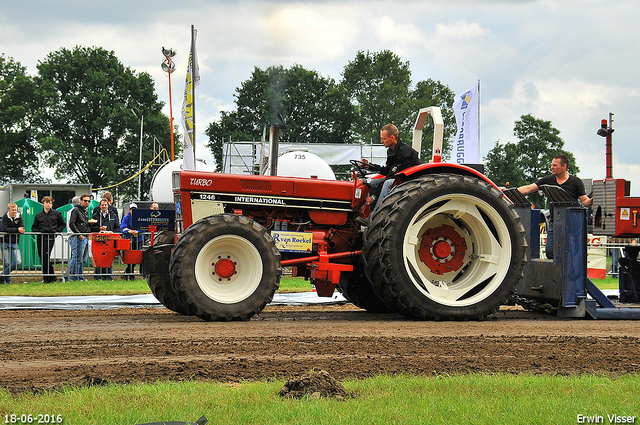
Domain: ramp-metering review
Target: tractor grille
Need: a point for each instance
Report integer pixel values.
(255, 185)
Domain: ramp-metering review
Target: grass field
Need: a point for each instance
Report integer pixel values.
(445, 399)
(288, 284)
(449, 399)
(116, 287)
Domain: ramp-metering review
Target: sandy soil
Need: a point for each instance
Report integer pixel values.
(45, 349)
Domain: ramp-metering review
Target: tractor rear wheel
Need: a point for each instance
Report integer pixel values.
(450, 248)
(372, 251)
(160, 285)
(225, 267)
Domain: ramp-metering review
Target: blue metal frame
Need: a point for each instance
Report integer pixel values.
(563, 281)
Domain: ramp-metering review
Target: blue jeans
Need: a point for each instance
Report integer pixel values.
(380, 188)
(79, 256)
(9, 259)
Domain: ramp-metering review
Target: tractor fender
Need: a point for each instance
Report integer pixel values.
(442, 168)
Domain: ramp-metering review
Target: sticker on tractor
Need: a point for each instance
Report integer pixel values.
(625, 214)
(293, 241)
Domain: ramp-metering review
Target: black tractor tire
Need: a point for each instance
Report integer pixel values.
(160, 285)
(445, 247)
(225, 267)
(372, 250)
(356, 289)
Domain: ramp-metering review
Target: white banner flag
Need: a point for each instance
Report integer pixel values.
(466, 148)
(188, 107)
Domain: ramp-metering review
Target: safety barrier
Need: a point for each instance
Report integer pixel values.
(27, 258)
(603, 254)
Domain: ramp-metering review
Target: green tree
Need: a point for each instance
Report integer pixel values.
(315, 109)
(502, 166)
(226, 129)
(432, 93)
(376, 89)
(529, 159)
(18, 101)
(86, 127)
(379, 86)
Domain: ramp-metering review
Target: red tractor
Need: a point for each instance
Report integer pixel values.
(445, 244)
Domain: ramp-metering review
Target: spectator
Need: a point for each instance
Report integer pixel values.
(109, 198)
(13, 224)
(79, 225)
(135, 237)
(147, 238)
(48, 222)
(104, 220)
(74, 201)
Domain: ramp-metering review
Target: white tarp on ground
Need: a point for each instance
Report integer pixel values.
(147, 300)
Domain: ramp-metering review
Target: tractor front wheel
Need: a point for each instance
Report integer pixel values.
(160, 285)
(225, 267)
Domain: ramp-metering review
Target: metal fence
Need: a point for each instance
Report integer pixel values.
(28, 259)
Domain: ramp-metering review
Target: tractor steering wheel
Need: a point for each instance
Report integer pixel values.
(361, 166)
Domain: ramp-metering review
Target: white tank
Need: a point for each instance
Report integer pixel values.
(161, 183)
(304, 164)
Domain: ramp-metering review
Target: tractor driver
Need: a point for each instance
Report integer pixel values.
(559, 177)
(400, 156)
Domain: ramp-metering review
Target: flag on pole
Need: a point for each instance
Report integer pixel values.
(466, 148)
(188, 106)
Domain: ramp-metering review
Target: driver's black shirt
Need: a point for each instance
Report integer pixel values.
(399, 159)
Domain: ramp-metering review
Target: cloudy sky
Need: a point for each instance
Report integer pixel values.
(568, 62)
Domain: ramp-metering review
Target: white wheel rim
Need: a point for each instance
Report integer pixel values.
(245, 278)
(487, 256)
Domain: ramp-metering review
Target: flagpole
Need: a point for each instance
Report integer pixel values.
(193, 93)
(479, 118)
(188, 106)
(170, 113)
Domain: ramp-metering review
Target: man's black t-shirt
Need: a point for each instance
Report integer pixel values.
(573, 186)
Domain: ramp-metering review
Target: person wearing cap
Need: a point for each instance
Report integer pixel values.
(135, 237)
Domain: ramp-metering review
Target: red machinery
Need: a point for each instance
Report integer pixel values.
(615, 214)
(444, 244)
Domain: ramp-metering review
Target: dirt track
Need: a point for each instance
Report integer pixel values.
(44, 349)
